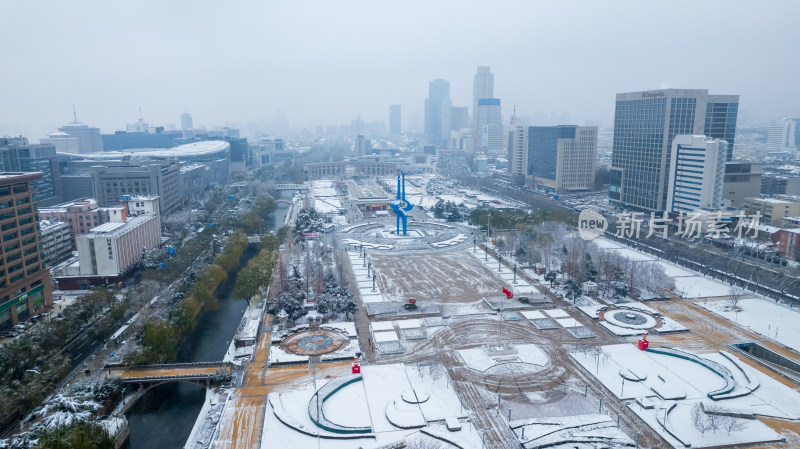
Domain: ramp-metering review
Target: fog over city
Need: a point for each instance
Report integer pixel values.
(321, 62)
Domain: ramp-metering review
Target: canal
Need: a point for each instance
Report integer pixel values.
(165, 415)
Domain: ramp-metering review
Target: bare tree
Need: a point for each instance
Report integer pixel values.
(735, 295)
(732, 423)
(426, 443)
(700, 419)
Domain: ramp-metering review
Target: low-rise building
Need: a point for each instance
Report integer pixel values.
(81, 216)
(773, 210)
(108, 252)
(56, 241)
(788, 241)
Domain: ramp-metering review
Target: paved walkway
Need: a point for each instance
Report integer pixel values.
(243, 423)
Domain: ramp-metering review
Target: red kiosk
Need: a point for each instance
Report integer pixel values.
(643, 343)
(356, 366)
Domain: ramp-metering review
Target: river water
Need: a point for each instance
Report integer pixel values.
(164, 417)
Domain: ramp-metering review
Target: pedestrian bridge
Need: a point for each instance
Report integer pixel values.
(202, 373)
(287, 186)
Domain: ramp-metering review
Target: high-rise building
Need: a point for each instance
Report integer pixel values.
(362, 146)
(482, 87)
(129, 177)
(645, 124)
(562, 158)
(394, 120)
(490, 126)
(25, 287)
(459, 118)
(186, 121)
(437, 112)
(781, 136)
(16, 155)
(721, 115)
(89, 140)
(697, 173)
(517, 148)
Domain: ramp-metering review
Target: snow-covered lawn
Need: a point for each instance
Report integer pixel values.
(700, 287)
(478, 359)
(556, 313)
(384, 336)
(663, 377)
(764, 317)
(532, 314)
(376, 401)
(568, 322)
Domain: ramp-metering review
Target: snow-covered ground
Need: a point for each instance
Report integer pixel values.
(379, 401)
(764, 317)
(480, 360)
(666, 381)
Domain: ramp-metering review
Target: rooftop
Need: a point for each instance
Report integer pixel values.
(20, 176)
(115, 229)
(195, 149)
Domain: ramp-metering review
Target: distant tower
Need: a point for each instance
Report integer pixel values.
(437, 112)
(781, 135)
(186, 121)
(394, 120)
(482, 87)
(88, 138)
(489, 126)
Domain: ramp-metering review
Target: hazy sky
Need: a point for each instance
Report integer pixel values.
(324, 62)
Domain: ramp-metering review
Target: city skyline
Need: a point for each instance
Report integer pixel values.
(306, 75)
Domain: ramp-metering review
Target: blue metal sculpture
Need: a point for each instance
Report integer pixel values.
(400, 206)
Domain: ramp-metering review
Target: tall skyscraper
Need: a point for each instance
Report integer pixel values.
(89, 140)
(697, 173)
(517, 147)
(186, 121)
(394, 120)
(482, 87)
(721, 115)
(645, 124)
(437, 112)
(562, 158)
(781, 136)
(490, 126)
